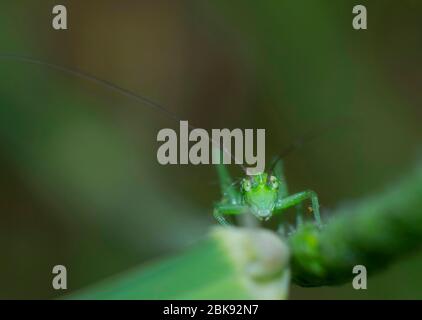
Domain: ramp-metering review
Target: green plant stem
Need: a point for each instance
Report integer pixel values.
(373, 232)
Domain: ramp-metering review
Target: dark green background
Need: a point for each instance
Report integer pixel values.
(79, 180)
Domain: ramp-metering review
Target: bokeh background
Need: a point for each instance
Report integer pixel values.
(79, 180)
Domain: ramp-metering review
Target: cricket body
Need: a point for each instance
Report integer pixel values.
(263, 195)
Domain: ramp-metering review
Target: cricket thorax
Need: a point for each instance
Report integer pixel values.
(260, 194)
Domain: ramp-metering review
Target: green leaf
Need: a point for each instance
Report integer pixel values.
(232, 263)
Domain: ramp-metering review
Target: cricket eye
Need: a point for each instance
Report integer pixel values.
(246, 185)
(273, 182)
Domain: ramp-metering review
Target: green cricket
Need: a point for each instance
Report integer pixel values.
(263, 195)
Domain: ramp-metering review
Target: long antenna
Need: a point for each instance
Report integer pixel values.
(109, 85)
(89, 77)
(306, 138)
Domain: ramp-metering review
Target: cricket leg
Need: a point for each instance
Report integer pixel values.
(221, 210)
(299, 214)
(283, 191)
(228, 190)
(298, 198)
(279, 173)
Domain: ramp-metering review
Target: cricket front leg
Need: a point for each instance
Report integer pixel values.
(299, 214)
(221, 210)
(228, 190)
(297, 199)
(279, 173)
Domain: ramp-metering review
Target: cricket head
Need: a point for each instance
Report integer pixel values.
(260, 193)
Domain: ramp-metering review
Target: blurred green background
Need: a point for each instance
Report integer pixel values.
(80, 184)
